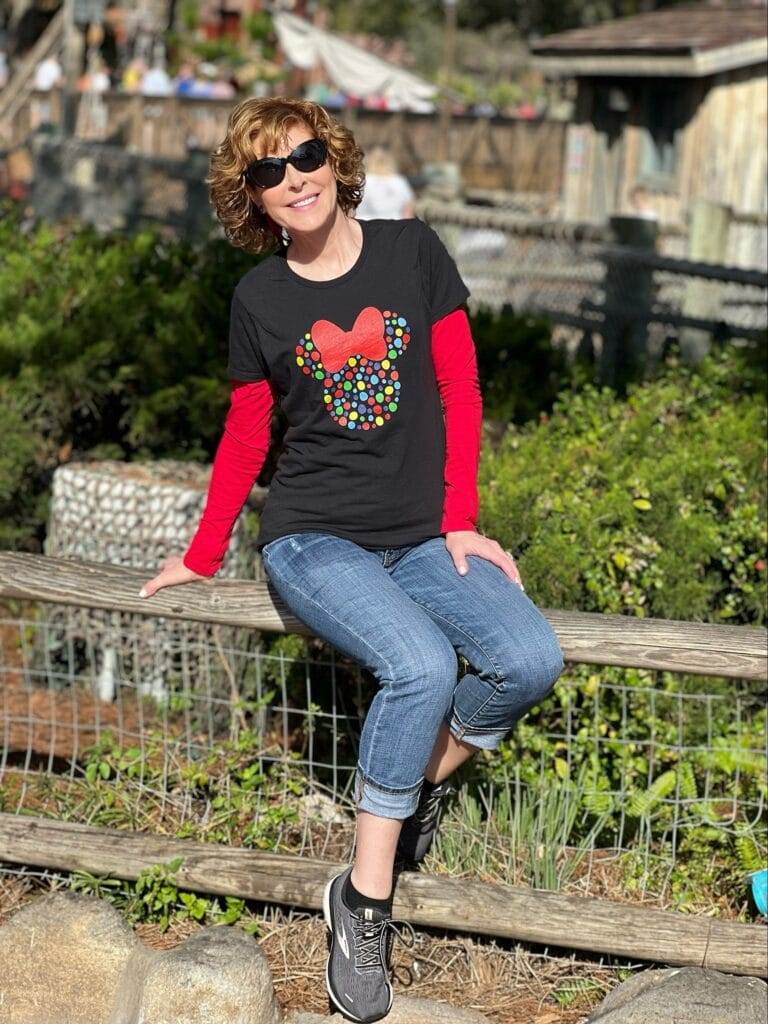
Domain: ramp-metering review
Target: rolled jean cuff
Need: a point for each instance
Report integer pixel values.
(383, 801)
(474, 737)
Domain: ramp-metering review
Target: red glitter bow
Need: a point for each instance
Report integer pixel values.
(366, 338)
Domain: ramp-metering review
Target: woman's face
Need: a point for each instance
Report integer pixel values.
(279, 202)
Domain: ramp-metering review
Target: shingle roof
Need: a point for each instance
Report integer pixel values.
(683, 30)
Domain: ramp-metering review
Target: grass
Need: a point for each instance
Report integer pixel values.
(518, 834)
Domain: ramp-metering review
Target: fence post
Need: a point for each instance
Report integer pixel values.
(628, 297)
(707, 243)
(136, 124)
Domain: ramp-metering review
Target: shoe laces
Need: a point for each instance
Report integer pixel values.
(427, 812)
(374, 941)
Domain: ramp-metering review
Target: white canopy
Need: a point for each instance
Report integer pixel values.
(351, 69)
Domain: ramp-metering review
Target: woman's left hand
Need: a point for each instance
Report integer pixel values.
(461, 543)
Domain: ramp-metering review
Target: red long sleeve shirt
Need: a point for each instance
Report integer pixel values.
(243, 447)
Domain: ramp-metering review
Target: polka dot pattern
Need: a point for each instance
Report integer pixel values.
(364, 393)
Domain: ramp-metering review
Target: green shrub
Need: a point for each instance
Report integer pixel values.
(651, 506)
(520, 370)
(110, 347)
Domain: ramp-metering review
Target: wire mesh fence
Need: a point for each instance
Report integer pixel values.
(250, 738)
(590, 285)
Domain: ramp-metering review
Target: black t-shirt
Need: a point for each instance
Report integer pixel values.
(364, 451)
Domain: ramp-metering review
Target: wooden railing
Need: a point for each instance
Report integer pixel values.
(709, 649)
(460, 904)
(18, 90)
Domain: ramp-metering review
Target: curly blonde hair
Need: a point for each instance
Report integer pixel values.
(268, 120)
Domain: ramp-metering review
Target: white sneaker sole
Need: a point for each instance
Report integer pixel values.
(327, 915)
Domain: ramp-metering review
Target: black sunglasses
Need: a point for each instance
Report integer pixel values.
(270, 170)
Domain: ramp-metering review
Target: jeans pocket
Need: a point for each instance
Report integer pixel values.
(272, 547)
(289, 547)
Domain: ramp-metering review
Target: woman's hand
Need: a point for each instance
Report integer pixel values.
(461, 543)
(173, 571)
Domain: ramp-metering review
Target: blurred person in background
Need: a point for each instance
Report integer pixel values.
(132, 76)
(386, 193)
(222, 87)
(641, 203)
(48, 75)
(184, 82)
(156, 82)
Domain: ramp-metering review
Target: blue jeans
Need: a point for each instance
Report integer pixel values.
(403, 613)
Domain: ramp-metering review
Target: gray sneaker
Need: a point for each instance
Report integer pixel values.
(419, 830)
(358, 967)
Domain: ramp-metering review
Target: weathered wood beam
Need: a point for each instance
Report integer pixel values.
(709, 649)
(567, 61)
(530, 915)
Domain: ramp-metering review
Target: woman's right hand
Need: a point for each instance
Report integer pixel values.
(173, 572)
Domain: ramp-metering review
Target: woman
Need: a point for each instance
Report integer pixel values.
(387, 192)
(368, 533)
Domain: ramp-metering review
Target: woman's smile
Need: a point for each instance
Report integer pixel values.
(305, 202)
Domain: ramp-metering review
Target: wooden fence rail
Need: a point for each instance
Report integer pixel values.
(709, 649)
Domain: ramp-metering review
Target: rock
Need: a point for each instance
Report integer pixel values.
(405, 1010)
(319, 807)
(72, 959)
(685, 995)
(219, 975)
(61, 957)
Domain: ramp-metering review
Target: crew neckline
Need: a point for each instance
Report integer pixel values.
(342, 278)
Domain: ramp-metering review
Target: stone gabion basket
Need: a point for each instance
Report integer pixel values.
(130, 514)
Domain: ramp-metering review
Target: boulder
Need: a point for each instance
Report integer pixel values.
(685, 995)
(61, 957)
(217, 975)
(72, 959)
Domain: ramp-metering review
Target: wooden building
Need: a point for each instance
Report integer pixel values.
(671, 107)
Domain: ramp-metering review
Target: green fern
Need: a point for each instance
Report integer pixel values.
(575, 989)
(688, 789)
(750, 856)
(641, 803)
(597, 802)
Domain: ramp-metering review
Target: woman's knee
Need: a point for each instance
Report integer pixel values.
(532, 672)
(425, 664)
(422, 671)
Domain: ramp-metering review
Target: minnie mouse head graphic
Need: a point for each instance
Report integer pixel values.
(361, 386)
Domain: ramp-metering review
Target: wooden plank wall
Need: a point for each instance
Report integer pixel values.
(723, 157)
(494, 152)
